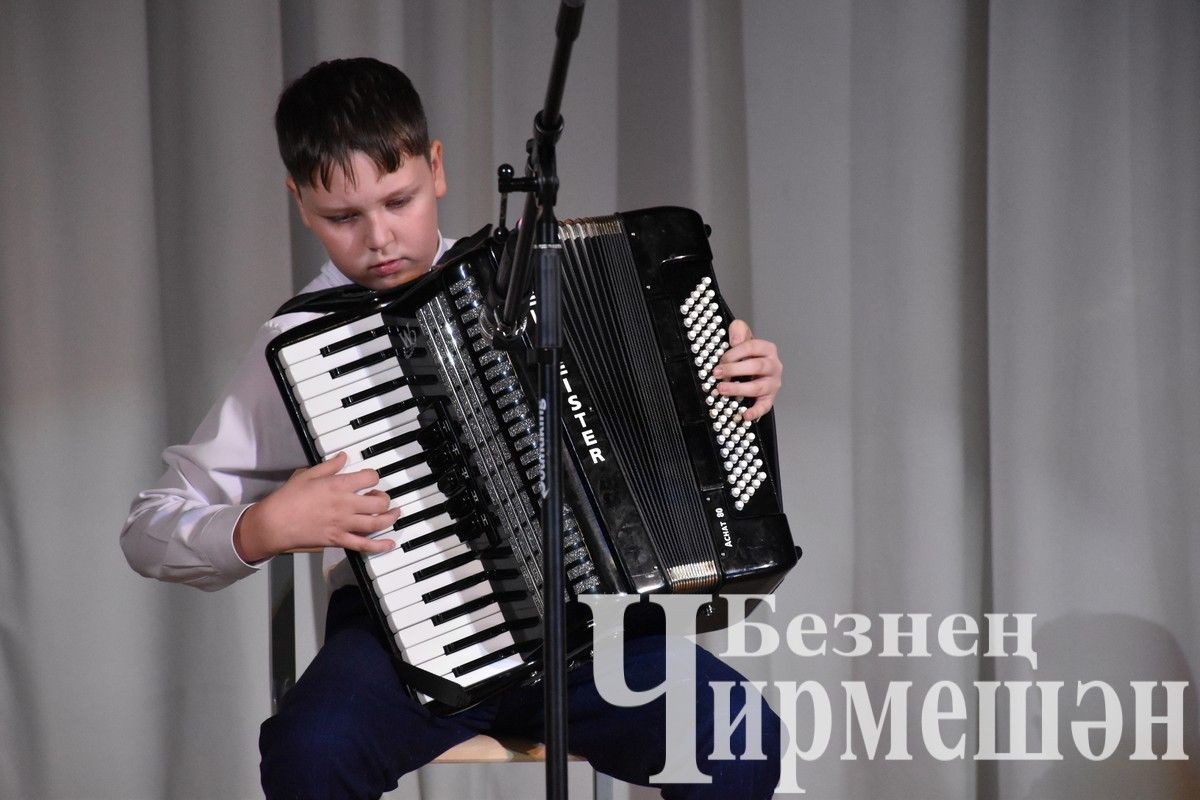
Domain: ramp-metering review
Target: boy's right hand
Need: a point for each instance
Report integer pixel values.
(316, 508)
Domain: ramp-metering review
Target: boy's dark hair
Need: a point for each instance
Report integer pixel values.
(341, 106)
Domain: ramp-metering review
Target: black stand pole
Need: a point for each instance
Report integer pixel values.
(549, 348)
(539, 231)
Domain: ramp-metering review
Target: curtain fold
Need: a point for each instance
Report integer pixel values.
(971, 228)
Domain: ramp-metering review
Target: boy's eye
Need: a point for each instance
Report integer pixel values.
(399, 202)
(340, 219)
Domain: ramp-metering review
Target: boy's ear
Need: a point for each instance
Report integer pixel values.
(294, 191)
(439, 170)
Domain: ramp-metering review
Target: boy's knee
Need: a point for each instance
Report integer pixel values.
(757, 733)
(293, 758)
(305, 760)
(744, 776)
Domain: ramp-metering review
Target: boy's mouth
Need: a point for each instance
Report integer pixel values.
(386, 267)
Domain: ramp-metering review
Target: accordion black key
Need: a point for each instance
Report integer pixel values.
(666, 487)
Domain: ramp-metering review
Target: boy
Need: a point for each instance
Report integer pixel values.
(366, 179)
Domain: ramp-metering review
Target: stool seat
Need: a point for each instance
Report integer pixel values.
(488, 749)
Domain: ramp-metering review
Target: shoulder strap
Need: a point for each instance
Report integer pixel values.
(325, 301)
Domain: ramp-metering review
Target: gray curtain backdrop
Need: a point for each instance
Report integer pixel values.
(971, 227)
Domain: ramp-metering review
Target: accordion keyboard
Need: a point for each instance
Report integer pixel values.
(441, 605)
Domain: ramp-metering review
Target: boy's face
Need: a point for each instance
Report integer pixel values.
(380, 230)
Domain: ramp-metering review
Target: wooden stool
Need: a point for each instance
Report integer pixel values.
(484, 749)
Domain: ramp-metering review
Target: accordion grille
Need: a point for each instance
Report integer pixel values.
(610, 333)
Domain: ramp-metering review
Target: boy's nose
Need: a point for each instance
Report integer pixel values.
(378, 233)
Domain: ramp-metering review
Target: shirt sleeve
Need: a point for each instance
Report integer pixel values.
(181, 529)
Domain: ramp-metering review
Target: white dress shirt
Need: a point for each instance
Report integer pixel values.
(181, 530)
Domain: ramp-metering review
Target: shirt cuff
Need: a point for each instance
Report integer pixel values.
(225, 558)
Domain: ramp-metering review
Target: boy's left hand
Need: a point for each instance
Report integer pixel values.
(756, 359)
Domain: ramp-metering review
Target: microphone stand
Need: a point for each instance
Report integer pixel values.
(538, 232)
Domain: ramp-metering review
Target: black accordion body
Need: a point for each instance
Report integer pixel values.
(665, 488)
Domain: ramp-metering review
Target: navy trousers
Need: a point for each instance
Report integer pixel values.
(348, 729)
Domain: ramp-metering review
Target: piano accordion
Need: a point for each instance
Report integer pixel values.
(665, 487)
